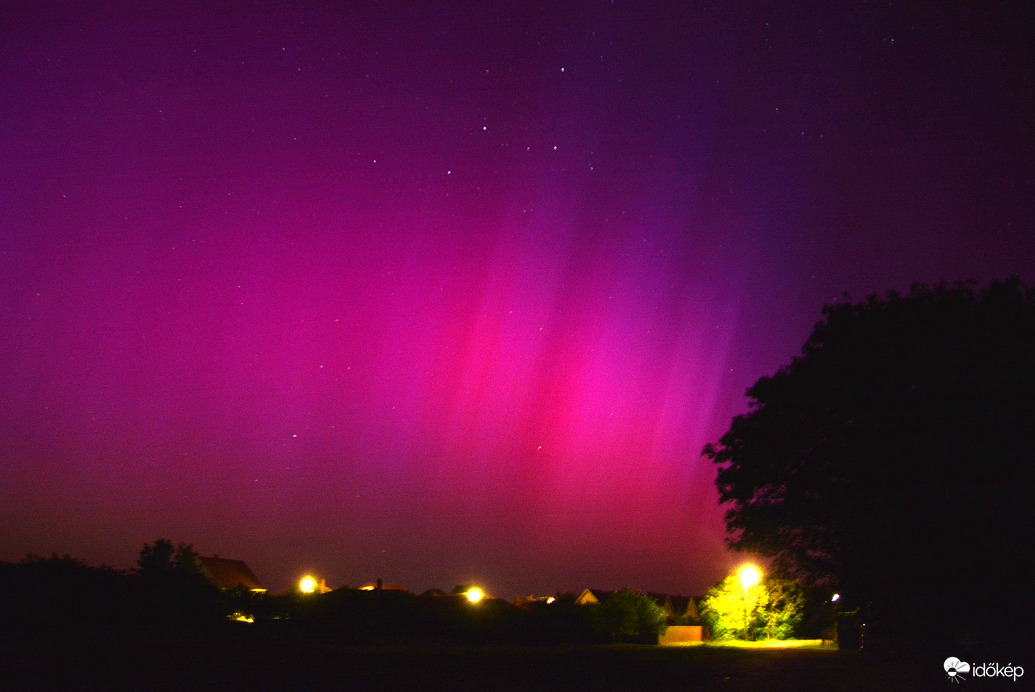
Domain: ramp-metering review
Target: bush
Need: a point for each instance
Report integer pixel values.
(628, 615)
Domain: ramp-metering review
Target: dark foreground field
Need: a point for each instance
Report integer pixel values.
(253, 663)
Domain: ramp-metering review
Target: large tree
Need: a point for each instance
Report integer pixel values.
(891, 459)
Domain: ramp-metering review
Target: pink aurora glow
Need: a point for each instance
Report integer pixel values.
(452, 294)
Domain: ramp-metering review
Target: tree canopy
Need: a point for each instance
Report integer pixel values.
(891, 457)
(770, 609)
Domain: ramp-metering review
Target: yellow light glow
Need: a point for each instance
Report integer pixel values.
(551, 599)
(474, 594)
(307, 585)
(749, 576)
(835, 598)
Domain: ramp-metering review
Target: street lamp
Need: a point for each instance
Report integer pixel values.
(749, 576)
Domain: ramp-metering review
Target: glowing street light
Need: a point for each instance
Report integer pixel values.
(474, 594)
(749, 576)
(307, 584)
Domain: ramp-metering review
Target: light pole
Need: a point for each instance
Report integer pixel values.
(749, 576)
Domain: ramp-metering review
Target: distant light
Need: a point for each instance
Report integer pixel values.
(474, 594)
(835, 597)
(307, 585)
(749, 576)
(551, 599)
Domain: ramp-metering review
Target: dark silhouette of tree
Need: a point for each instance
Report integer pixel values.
(47, 599)
(174, 592)
(162, 556)
(891, 458)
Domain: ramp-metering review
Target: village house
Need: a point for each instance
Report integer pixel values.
(230, 574)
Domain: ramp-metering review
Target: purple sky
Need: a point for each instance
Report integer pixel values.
(448, 292)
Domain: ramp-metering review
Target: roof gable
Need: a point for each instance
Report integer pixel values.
(591, 596)
(229, 574)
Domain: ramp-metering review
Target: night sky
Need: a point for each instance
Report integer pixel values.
(445, 292)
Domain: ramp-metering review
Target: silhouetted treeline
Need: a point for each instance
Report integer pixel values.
(48, 599)
(60, 598)
(399, 617)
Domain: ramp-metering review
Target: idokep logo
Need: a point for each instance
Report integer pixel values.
(956, 668)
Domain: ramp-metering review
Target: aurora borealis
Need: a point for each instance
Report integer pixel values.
(453, 292)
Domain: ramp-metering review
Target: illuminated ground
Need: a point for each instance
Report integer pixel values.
(768, 644)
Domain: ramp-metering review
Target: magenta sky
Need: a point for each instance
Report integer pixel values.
(441, 292)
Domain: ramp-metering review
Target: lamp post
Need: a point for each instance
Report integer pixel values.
(749, 576)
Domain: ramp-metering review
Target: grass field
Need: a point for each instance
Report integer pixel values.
(247, 663)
